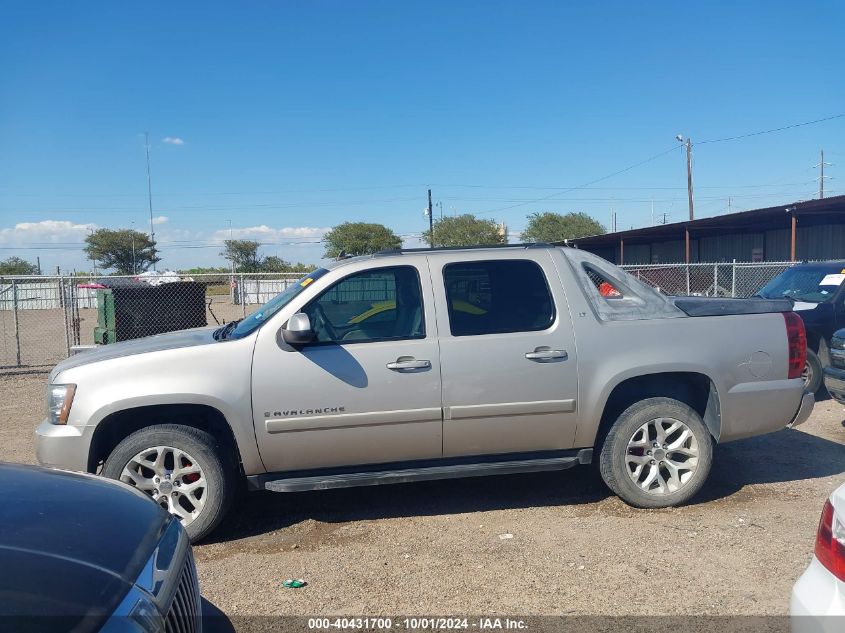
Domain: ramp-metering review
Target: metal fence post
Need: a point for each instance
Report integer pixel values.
(733, 279)
(63, 301)
(243, 296)
(715, 280)
(687, 269)
(16, 324)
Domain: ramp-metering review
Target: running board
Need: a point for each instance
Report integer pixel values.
(428, 473)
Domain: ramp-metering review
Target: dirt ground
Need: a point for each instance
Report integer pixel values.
(437, 547)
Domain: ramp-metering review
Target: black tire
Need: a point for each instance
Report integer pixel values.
(813, 373)
(614, 453)
(221, 483)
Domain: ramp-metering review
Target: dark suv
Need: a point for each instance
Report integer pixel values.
(817, 294)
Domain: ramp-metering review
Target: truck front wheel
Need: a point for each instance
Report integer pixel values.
(182, 468)
(657, 454)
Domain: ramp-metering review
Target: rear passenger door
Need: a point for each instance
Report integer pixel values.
(507, 353)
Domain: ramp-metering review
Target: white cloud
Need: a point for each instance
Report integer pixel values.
(269, 235)
(172, 140)
(45, 232)
(161, 219)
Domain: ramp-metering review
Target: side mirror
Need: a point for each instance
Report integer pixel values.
(298, 330)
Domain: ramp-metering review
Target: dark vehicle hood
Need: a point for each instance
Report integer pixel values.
(815, 314)
(71, 544)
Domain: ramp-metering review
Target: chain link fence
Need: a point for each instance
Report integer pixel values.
(737, 279)
(44, 319)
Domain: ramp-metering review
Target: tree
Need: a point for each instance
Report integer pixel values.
(465, 230)
(17, 266)
(359, 238)
(273, 264)
(125, 250)
(244, 255)
(554, 227)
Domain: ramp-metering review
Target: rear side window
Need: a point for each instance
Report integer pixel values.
(494, 297)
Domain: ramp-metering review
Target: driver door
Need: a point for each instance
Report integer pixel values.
(367, 389)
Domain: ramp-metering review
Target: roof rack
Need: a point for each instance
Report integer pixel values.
(400, 251)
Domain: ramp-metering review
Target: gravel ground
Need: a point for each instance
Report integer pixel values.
(437, 547)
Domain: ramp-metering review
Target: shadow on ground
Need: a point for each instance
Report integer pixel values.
(788, 455)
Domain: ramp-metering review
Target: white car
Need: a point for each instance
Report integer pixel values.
(818, 598)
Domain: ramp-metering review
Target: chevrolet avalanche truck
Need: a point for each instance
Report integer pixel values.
(432, 364)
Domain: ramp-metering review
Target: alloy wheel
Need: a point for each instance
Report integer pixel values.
(662, 456)
(172, 477)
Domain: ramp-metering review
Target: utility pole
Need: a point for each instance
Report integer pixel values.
(688, 144)
(132, 233)
(652, 211)
(430, 221)
(821, 175)
(150, 195)
(38, 262)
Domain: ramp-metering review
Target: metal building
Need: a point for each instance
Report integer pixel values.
(811, 230)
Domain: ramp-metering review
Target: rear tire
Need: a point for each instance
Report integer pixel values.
(182, 468)
(657, 454)
(813, 373)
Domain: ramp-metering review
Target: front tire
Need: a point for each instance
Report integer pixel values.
(182, 468)
(657, 454)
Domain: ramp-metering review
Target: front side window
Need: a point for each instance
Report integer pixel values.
(494, 297)
(375, 305)
(255, 320)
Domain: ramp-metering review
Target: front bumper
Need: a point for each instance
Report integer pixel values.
(834, 382)
(808, 401)
(818, 601)
(63, 445)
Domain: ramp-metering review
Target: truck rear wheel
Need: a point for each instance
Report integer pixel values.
(813, 373)
(182, 468)
(657, 454)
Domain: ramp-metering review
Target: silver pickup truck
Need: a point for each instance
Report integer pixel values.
(431, 364)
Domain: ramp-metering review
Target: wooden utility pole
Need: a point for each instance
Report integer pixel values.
(689, 178)
(430, 221)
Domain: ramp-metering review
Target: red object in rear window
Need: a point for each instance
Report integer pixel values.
(796, 338)
(830, 550)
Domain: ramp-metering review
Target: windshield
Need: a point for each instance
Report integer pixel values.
(251, 323)
(811, 285)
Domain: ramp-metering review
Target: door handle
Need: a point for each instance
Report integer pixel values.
(408, 362)
(544, 353)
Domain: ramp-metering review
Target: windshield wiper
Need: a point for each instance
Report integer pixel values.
(221, 333)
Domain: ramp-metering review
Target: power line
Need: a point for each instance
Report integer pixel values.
(587, 184)
(776, 129)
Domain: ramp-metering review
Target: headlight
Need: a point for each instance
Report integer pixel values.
(59, 399)
(136, 614)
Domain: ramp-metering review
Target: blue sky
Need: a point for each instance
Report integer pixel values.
(291, 117)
